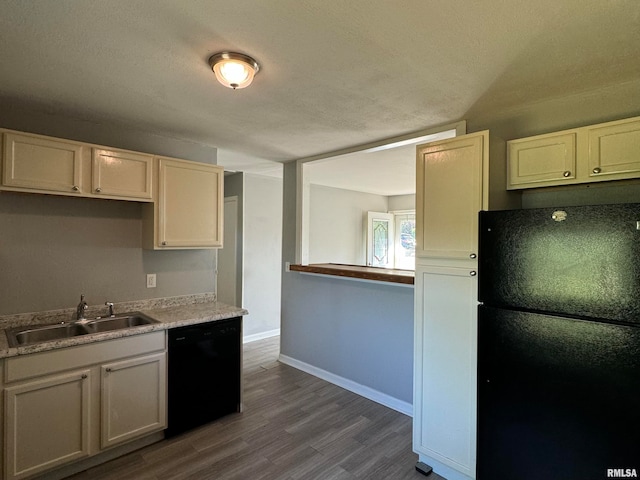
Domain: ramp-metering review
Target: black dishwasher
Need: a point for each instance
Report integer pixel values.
(204, 373)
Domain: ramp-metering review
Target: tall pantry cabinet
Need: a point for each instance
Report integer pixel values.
(452, 187)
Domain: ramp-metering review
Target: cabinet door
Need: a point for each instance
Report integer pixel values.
(134, 396)
(46, 423)
(122, 174)
(451, 189)
(445, 367)
(614, 150)
(190, 202)
(542, 160)
(33, 163)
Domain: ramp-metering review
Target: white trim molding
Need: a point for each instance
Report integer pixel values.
(362, 390)
(260, 336)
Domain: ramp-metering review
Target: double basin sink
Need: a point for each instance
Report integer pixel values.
(20, 336)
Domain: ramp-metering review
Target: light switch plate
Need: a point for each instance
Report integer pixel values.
(151, 280)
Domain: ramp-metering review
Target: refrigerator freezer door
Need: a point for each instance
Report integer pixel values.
(557, 397)
(576, 261)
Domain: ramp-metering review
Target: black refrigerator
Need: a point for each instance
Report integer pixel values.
(559, 343)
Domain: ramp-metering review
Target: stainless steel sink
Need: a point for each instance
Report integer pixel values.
(20, 336)
(27, 336)
(116, 323)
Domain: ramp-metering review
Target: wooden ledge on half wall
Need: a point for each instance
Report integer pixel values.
(378, 274)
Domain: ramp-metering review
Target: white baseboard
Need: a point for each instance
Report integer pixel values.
(259, 336)
(362, 390)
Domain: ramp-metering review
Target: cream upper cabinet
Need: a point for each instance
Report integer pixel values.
(452, 187)
(614, 150)
(546, 159)
(596, 153)
(188, 211)
(133, 398)
(46, 423)
(41, 164)
(122, 174)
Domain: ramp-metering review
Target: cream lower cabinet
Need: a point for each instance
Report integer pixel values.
(444, 421)
(65, 405)
(188, 212)
(133, 398)
(47, 423)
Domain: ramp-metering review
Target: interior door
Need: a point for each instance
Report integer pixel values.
(229, 274)
(380, 250)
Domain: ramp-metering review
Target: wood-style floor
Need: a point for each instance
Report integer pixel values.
(294, 427)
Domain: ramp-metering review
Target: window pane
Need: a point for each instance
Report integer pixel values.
(405, 241)
(380, 243)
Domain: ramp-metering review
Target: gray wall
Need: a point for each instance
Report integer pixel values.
(337, 220)
(54, 248)
(317, 332)
(361, 331)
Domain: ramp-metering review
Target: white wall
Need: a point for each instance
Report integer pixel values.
(262, 252)
(337, 224)
(402, 202)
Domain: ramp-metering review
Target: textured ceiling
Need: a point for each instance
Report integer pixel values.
(334, 73)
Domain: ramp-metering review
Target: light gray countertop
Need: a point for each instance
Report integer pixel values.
(169, 312)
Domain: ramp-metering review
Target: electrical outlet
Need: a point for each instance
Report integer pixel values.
(151, 280)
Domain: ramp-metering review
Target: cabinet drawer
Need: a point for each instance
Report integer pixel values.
(43, 363)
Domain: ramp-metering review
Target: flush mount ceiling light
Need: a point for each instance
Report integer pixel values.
(234, 70)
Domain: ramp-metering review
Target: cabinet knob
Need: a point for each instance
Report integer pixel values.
(473, 273)
(84, 375)
(75, 188)
(164, 243)
(473, 255)
(566, 174)
(108, 369)
(98, 190)
(597, 170)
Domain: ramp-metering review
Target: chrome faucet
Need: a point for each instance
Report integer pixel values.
(82, 306)
(110, 305)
